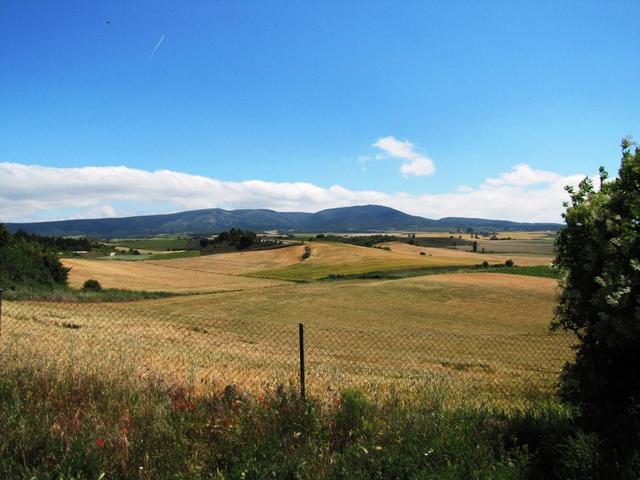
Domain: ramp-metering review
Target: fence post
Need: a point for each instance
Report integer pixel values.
(0, 312)
(301, 341)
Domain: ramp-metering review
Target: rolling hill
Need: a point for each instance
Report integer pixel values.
(366, 218)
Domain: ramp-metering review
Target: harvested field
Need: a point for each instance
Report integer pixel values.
(473, 333)
(239, 263)
(450, 254)
(341, 259)
(159, 276)
(465, 302)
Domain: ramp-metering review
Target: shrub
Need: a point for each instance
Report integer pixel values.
(422, 253)
(92, 285)
(598, 255)
(485, 264)
(307, 252)
(509, 263)
(25, 262)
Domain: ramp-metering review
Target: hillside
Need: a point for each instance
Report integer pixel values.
(366, 218)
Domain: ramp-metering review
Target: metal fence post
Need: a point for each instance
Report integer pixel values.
(301, 341)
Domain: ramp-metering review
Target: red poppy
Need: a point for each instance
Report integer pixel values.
(100, 442)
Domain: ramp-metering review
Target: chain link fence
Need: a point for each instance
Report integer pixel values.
(208, 352)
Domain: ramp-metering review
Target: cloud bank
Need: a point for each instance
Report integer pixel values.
(32, 192)
(414, 163)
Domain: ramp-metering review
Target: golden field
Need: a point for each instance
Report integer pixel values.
(478, 333)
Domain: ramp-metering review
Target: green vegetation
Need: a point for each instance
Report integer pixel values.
(154, 243)
(57, 244)
(359, 240)
(149, 256)
(66, 294)
(25, 262)
(60, 425)
(234, 239)
(92, 285)
(533, 271)
(374, 240)
(599, 255)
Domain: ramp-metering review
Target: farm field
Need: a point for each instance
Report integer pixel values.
(520, 247)
(161, 276)
(458, 302)
(232, 271)
(469, 330)
(480, 331)
(341, 259)
(524, 258)
(153, 244)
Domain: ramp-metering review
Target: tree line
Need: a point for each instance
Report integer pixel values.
(27, 260)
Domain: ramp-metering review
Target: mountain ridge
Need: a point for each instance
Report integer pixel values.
(362, 218)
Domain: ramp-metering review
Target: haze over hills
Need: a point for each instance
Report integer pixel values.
(366, 218)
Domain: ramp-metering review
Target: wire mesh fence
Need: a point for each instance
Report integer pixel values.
(209, 352)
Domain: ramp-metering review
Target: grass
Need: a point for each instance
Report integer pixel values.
(524, 246)
(151, 256)
(78, 295)
(154, 243)
(61, 424)
(534, 271)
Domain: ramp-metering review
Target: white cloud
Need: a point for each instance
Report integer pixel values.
(415, 163)
(522, 175)
(31, 192)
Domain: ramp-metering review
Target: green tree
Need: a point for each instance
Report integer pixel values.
(598, 254)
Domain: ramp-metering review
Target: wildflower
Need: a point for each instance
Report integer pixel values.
(100, 442)
(180, 406)
(263, 402)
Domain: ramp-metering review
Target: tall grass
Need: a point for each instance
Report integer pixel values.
(57, 424)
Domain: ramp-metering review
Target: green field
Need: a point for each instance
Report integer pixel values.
(153, 243)
(152, 256)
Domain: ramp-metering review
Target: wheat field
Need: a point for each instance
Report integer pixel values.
(480, 334)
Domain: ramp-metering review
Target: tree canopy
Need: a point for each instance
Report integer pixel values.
(599, 255)
(28, 262)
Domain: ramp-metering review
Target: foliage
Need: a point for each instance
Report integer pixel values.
(307, 252)
(359, 240)
(91, 284)
(58, 424)
(80, 295)
(509, 263)
(24, 261)
(237, 238)
(599, 255)
(65, 244)
(393, 274)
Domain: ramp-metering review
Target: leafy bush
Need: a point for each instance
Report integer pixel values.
(598, 254)
(92, 285)
(509, 263)
(24, 262)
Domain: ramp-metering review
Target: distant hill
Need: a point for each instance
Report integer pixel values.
(366, 218)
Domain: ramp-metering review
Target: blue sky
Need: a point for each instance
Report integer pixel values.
(299, 93)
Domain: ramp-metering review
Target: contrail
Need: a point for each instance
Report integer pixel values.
(155, 49)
